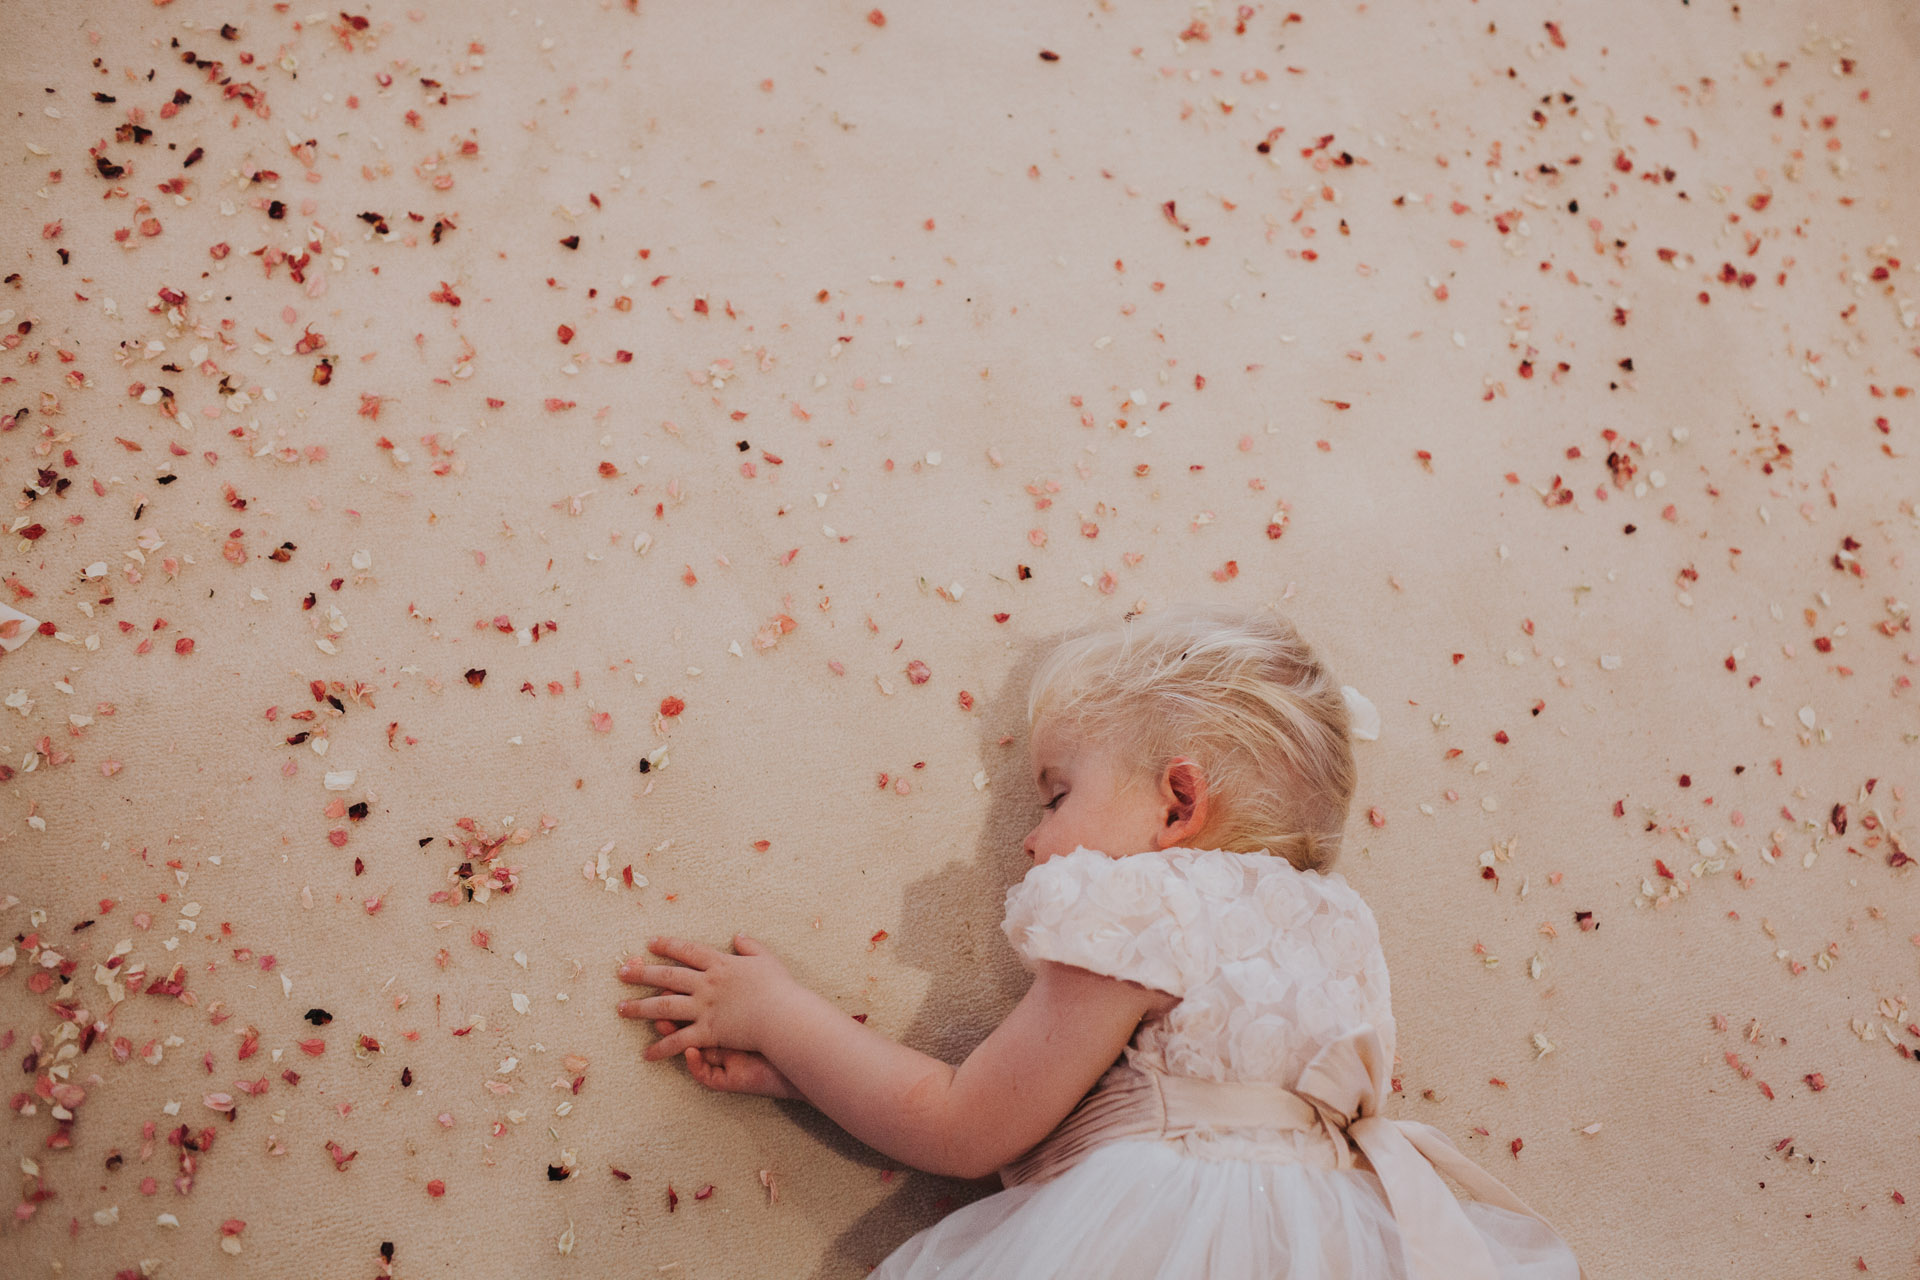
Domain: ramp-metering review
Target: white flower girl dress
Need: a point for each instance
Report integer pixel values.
(1240, 1135)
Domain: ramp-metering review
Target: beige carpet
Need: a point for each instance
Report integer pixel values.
(742, 356)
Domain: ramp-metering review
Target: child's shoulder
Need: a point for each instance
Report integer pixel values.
(1088, 878)
(1167, 918)
(1126, 917)
(1222, 873)
(1186, 881)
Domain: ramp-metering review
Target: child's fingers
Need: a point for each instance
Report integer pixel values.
(743, 945)
(667, 977)
(674, 1045)
(697, 955)
(677, 1008)
(717, 1069)
(702, 1069)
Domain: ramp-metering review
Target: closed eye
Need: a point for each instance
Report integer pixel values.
(1055, 802)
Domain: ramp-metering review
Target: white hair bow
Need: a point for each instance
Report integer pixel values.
(1366, 717)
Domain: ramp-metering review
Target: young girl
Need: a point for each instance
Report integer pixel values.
(1195, 775)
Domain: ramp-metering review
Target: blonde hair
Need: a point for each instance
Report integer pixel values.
(1238, 692)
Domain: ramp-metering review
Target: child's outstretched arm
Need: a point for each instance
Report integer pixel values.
(964, 1121)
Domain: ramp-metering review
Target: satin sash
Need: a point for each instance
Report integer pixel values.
(1340, 1094)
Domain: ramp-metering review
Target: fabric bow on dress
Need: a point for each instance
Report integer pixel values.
(1345, 1083)
(1339, 1094)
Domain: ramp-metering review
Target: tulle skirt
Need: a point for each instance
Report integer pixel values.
(1146, 1211)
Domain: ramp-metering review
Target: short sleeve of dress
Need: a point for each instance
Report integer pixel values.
(1114, 916)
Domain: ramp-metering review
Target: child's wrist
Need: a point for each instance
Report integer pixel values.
(792, 1026)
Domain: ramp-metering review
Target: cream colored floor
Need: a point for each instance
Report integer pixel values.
(910, 307)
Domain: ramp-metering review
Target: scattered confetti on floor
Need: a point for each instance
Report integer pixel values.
(494, 484)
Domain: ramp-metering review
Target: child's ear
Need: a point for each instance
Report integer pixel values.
(1184, 789)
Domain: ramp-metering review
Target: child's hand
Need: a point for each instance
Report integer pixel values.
(739, 1071)
(720, 1000)
(734, 1070)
